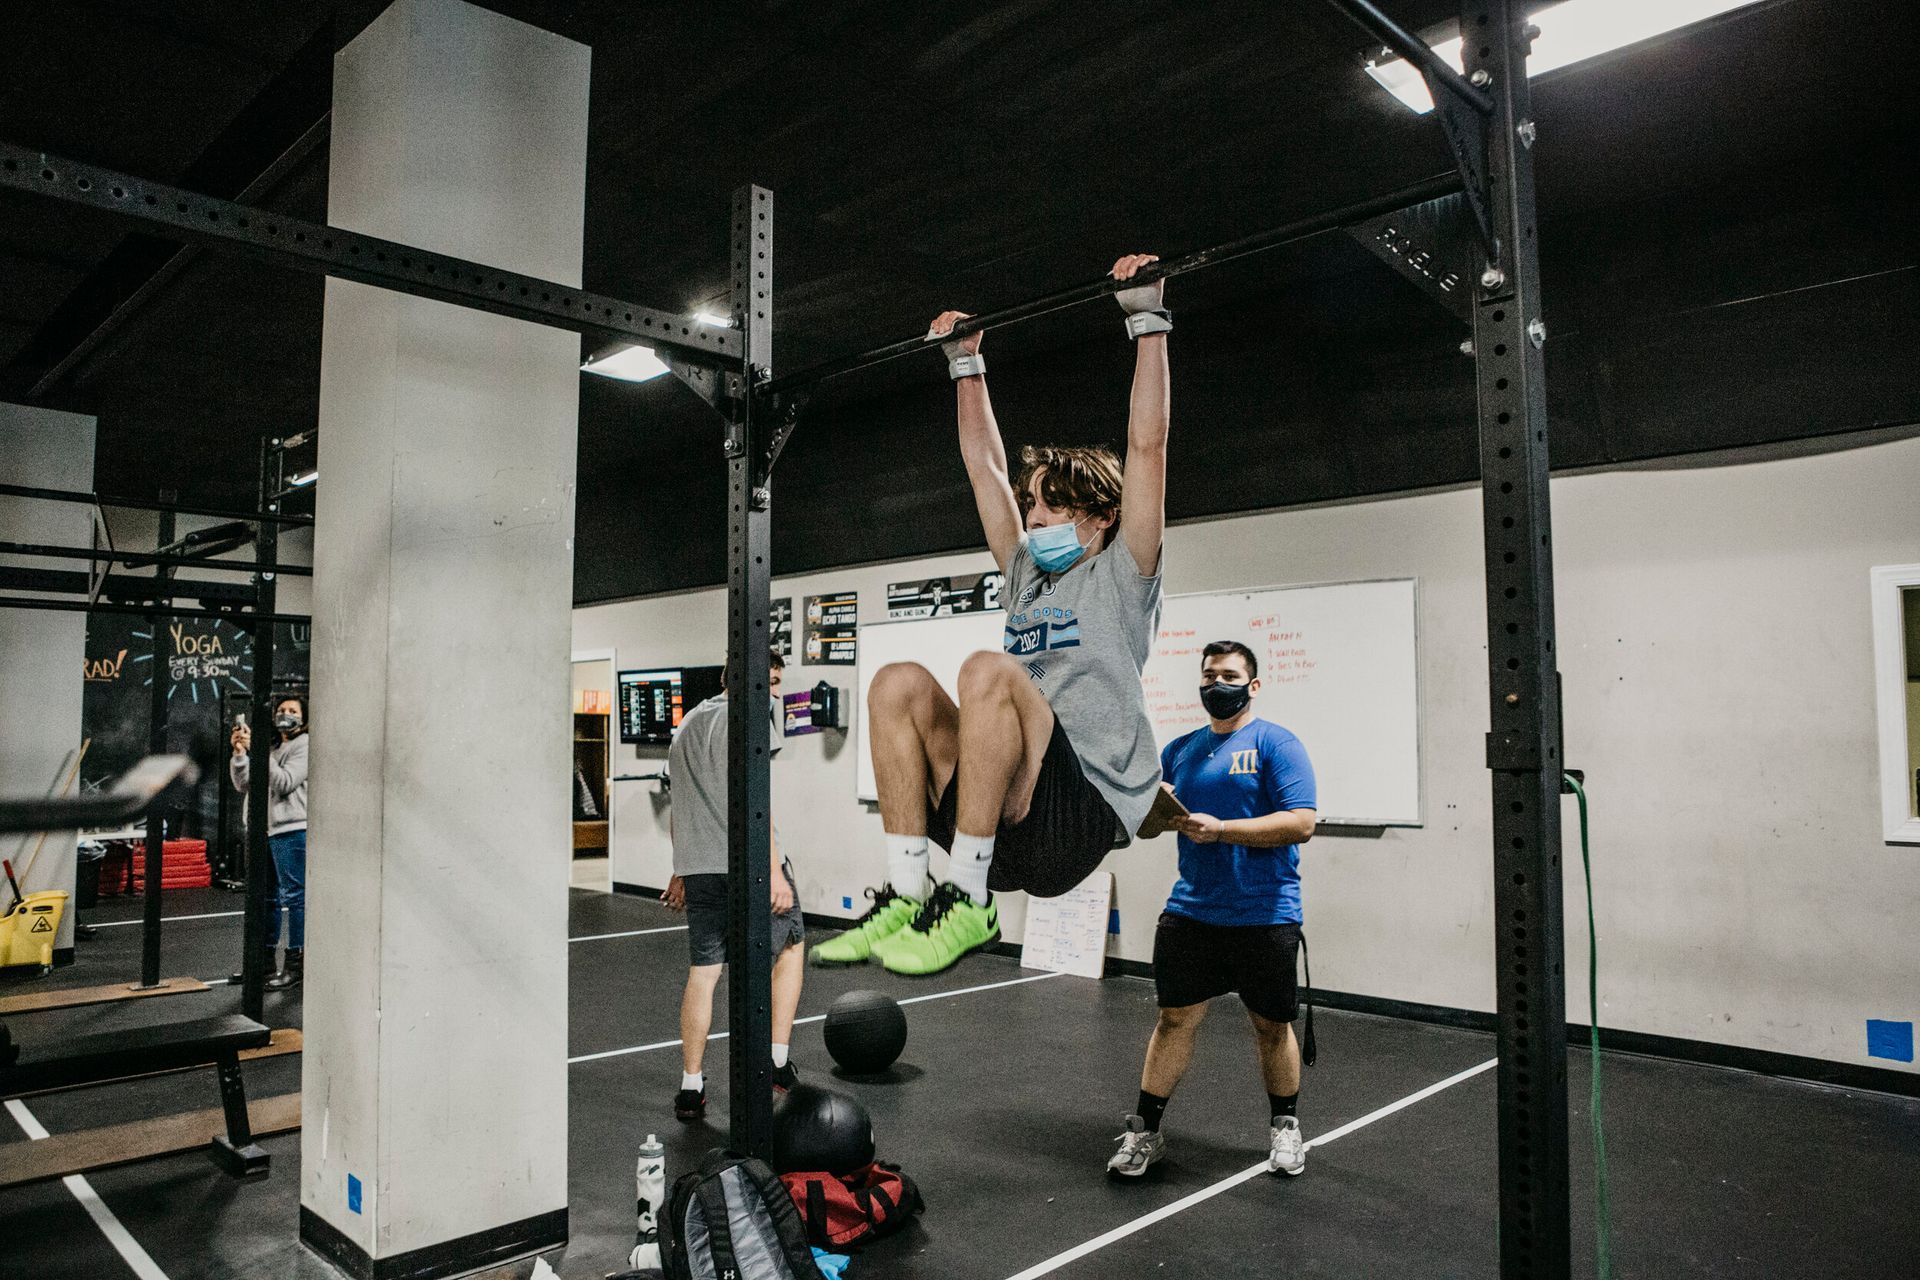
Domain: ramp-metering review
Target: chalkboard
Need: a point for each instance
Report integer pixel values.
(1337, 667)
(205, 660)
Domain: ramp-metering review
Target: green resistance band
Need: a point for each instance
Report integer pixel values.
(1602, 1210)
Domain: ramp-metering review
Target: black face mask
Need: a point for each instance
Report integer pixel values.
(1225, 701)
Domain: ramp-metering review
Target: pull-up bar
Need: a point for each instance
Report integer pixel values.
(1433, 188)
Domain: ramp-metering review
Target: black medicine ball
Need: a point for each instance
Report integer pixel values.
(816, 1129)
(865, 1031)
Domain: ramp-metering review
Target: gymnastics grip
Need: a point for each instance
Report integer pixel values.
(1145, 314)
(1141, 323)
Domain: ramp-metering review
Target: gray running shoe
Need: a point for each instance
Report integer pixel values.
(1138, 1149)
(1288, 1152)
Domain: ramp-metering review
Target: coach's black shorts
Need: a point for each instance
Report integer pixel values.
(1194, 962)
(707, 919)
(1068, 830)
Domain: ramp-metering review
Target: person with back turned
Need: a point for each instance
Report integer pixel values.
(697, 762)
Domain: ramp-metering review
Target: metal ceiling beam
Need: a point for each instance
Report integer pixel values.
(143, 504)
(134, 559)
(235, 616)
(348, 255)
(124, 588)
(167, 272)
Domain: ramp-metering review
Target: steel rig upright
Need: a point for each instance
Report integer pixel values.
(1524, 746)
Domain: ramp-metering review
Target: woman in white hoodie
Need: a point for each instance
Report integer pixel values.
(286, 827)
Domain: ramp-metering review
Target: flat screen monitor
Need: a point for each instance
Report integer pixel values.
(653, 702)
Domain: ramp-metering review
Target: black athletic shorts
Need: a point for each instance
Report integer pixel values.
(707, 919)
(1068, 830)
(1193, 962)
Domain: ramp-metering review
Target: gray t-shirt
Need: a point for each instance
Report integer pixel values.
(1084, 636)
(286, 786)
(697, 762)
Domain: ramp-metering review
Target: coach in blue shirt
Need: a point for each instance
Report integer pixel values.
(1233, 922)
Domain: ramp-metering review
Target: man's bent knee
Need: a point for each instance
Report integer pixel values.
(899, 685)
(986, 673)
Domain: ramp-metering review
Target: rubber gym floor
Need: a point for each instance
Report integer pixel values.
(1004, 1107)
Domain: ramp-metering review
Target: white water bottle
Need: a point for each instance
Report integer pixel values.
(650, 1190)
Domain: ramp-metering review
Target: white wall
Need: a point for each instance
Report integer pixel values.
(1715, 642)
(42, 651)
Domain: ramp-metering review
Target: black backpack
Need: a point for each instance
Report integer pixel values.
(732, 1219)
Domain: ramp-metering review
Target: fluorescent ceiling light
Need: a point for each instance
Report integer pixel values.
(1570, 32)
(629, 364)
(304, 478)
(713, 320)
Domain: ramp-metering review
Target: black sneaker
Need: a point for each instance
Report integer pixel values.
(784, 1078)
(690, 1106)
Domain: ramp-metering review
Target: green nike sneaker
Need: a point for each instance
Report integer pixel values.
(890, 913)
(948, 927)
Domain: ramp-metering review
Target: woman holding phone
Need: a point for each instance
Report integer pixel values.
(286, 827)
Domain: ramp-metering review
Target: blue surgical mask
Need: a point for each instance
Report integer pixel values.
(1056, 546)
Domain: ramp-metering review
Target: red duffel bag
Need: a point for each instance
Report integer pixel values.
(845, 1212)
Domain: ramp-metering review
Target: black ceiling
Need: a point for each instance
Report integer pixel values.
(1728, 243)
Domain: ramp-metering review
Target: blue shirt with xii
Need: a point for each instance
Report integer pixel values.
(1257, 770)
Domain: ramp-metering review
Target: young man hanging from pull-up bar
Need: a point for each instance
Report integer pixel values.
(1047, 763)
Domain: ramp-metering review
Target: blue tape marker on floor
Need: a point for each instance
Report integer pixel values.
(1890, 1040)
(353, 1194)
(846, 904)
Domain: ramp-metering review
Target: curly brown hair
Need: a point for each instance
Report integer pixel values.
(1072, 477)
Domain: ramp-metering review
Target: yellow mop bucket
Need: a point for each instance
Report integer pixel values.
(27, 932)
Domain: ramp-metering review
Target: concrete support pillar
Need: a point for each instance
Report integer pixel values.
(435, 1078)
(42, 654)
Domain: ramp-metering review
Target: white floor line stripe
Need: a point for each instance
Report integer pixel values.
(818, 1017)
(225, 915)
(631, 933)
(1141, 1223)
(115, 1231)
(211, 915)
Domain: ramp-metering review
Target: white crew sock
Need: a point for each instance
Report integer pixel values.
(972, 859)
(779, 1056)
(694, 1080)
(907, 865)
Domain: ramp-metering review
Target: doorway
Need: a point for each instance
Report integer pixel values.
(591, 866)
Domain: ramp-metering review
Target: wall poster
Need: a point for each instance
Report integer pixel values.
(944, 596)
(833, 629)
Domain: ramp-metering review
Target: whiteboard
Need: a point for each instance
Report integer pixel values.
(1337, 667)
(1068, 934)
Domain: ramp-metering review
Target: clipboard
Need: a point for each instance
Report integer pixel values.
(1159, 820)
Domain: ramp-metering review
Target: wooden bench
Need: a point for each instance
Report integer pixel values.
(107, 1057)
